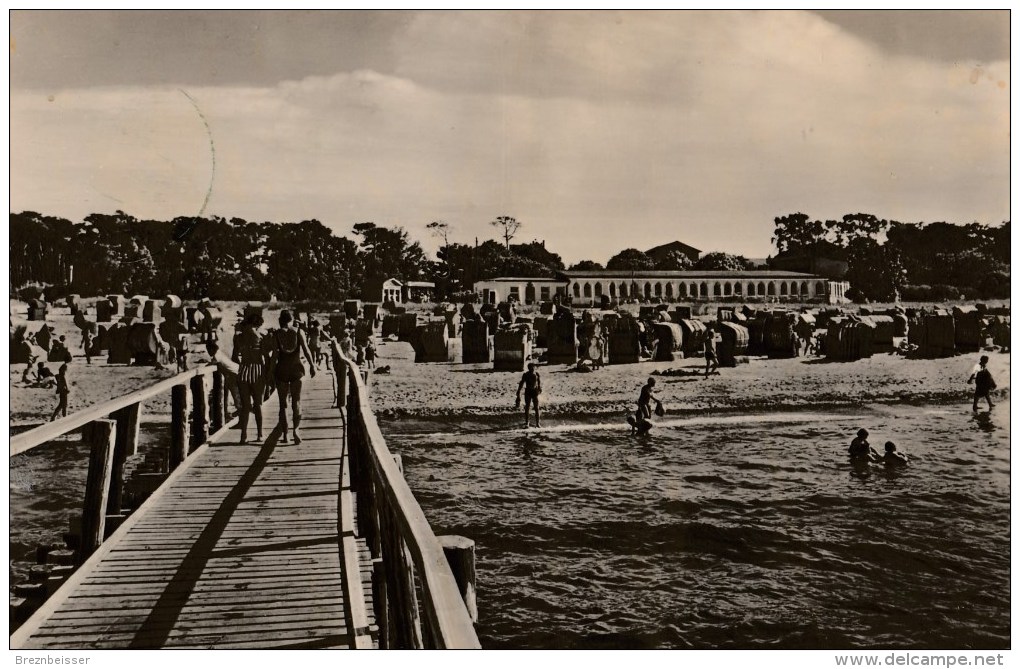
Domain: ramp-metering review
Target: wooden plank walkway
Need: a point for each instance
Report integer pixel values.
(241, 549)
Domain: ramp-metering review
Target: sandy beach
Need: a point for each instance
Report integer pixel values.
(438, 389)
(450, 389)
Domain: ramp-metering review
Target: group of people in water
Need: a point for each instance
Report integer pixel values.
(861, 452)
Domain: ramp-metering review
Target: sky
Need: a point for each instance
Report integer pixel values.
(598, 130)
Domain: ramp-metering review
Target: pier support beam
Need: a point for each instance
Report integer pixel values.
(126, 445)
(217, 405)
(199, 413)
(460, 553)
(178, 425)
(102, 434)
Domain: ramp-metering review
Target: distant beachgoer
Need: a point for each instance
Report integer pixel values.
(313, 341)
(289, 344)
(44, 378)
(360, 355)
(62, 392)
(86, 344)
(983, 382)
(861, 450)
(892, 457)
(645, 399)
(59, 350)
(28, 367)
(181, 352)
(229, 369)
(599, 344)
(251, 373)
(346, 345)
(531, 383)
(711, 360)
(369, 355)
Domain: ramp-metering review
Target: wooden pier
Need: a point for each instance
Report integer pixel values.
(262, 545)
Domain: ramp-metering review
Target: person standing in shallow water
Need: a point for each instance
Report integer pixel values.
(646, 398)
(531, 383)
(288, 345)
(983, 382)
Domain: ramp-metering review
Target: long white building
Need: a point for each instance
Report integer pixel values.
(668, 286)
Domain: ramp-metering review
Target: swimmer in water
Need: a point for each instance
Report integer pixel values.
(861, 451)
(892, 457)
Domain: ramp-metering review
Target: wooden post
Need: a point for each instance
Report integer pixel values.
(403, 602)
(460, 553)
(400, 462)
(97, 487)
(216, 403)
(178, 425)
(126, 445)
(339, 377)
(380, 603)
(199, 413)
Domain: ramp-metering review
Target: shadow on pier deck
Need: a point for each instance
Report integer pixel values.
(259, 545)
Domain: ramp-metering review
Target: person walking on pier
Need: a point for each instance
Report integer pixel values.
(288, 345)
(251, 373)
(313, 341)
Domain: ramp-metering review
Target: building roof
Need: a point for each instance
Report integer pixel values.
(420, 284)
(665, 248)
(519, 279)
(686, 274)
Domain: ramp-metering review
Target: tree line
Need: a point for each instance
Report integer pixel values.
(235, 259)
(887, 259)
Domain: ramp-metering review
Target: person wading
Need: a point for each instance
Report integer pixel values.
(531, 383)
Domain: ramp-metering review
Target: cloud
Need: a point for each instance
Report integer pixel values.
(598, 130)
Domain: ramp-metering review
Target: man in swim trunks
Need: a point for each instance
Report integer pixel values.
(531, 383)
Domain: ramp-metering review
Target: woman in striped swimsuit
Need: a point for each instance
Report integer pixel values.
(289, 344)
(251, 377)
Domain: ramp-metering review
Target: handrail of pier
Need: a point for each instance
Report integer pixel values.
(50, 431)
(407, 555)
(112, 428)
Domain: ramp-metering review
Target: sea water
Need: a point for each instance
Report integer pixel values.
(709, 532)
(727, 531)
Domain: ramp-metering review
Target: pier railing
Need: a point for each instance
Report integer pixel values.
(417, 601)
(197, 407)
